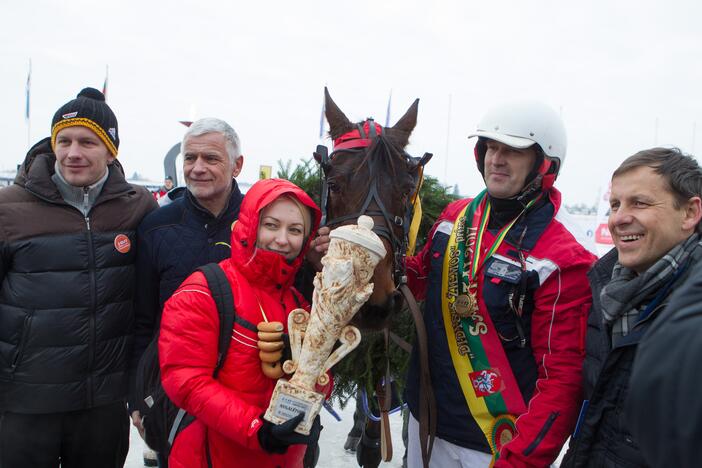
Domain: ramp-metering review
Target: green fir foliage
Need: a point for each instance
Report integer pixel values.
(306, 175)
(435, 196)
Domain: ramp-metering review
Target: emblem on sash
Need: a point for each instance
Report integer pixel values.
(486, 382)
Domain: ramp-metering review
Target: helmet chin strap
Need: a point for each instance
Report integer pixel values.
(542, 182)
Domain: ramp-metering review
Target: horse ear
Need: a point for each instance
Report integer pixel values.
(403, 128)
(416, 163)
(338, 122)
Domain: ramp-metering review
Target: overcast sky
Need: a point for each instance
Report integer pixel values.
(626, 75)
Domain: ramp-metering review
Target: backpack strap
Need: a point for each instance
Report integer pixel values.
(221, 291)
(175, 428)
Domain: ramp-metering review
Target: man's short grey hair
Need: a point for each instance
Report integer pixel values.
(214, 125)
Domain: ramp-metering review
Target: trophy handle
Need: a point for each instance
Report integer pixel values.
(350, 338)
(297, 325)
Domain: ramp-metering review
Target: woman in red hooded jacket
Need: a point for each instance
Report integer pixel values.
(268, 245)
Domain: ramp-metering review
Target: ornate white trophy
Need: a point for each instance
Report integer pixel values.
(340, 289)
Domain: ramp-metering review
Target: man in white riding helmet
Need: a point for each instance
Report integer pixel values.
(503, 277)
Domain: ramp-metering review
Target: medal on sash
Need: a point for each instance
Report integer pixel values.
(466, 304)
(483, 370)
(503, 431)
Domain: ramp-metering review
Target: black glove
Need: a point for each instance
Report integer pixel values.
(276, 438)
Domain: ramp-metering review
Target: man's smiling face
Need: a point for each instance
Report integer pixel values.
(645, 220)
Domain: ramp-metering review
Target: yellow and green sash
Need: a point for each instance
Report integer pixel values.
(485, 375)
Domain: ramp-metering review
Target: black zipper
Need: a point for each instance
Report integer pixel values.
(93, 311)
(542, 433)
(22, 343)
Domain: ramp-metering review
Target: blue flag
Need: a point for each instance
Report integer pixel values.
(104, 85)
(27, 91)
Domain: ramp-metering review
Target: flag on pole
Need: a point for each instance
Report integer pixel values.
(28, 90)
(387, 115)
(264, 172)
(104, 85)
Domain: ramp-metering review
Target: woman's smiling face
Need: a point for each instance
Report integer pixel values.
(281, 229)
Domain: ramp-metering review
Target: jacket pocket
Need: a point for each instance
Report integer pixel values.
(19, 353)
(542, 433)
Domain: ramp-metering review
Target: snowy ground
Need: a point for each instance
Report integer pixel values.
(331, 442)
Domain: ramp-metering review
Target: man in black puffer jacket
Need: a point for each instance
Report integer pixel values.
(656, 209)
(67, 252)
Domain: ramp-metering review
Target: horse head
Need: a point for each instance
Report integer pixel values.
(368, 172)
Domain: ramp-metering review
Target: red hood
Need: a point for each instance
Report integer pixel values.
(259, 266)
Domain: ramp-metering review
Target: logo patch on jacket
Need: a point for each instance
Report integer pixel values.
(486, 382)
(253, 427)
(504, 270)
(122, 243)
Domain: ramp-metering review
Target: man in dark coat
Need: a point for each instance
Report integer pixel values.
(655, 217)
(67, 238)
(664, 408)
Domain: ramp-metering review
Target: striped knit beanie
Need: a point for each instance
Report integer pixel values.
(90, 110)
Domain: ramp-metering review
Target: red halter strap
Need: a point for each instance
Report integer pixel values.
(360, 137)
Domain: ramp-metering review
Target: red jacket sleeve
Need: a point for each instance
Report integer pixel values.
(418, 269)
(418, 266)
(558, 338)
(187, 349)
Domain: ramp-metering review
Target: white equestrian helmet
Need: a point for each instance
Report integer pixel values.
(520, 124)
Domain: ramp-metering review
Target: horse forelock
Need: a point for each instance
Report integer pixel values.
(388, 159)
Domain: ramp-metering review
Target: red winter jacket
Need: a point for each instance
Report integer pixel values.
(548, 369)
(228, 409)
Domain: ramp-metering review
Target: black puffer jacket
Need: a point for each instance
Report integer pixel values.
(66, 290)
(603, 437)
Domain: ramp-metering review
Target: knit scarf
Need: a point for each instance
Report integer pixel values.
(627, 293)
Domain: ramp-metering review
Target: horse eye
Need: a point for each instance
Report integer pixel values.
(333, 187)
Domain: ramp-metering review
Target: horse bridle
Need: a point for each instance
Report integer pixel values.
(385, 230)
(427, 403)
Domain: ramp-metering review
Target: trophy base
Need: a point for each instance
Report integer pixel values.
(289, 400)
